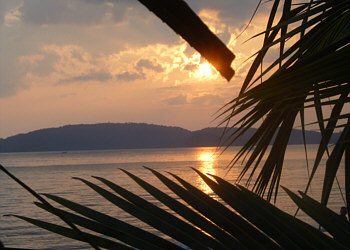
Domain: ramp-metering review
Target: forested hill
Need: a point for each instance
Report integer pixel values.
(123, 136)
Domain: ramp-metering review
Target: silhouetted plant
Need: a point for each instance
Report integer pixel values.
(312, 72)
(238, 220)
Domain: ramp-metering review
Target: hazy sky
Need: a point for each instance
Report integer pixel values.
(91, 61)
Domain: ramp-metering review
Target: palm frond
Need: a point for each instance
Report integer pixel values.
(238, 219)
(51, 209)
(311, 72)
(347, 176)
(332, 222)
(333, 162)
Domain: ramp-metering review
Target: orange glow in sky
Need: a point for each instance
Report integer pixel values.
(204, 70)
(112, 61)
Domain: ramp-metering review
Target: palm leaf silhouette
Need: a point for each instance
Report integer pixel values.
(239, 219)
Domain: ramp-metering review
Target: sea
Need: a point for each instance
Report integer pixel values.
(52, 172)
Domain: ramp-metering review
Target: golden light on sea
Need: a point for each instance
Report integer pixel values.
(206, 157)
(208, 163)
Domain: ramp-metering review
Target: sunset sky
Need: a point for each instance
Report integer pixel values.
(94, 61)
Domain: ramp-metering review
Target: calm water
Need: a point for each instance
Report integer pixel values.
(52, 172)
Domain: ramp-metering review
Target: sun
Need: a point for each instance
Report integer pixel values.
(204, 70)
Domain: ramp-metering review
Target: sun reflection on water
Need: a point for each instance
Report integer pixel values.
(208, 161)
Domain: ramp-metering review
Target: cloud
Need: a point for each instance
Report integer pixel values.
(90, 12)
(40, 64)
(10, 16)
(69, 62)
(12, 72)
(64, 64)
(73, 63)
(208, 99)
(65, 41)
(10, 83)
(130, 76)
(204, 99)
(80, 12)
(159, 62)
(150, 64)
(190, 67)
(234, 10)
(6, 7)
(91, 76)
(140, 70)
(177, 100)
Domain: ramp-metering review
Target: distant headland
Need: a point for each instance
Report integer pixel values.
(126, 136)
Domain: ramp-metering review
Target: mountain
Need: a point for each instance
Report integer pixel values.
(125, 136)
(211, 136)
(97, 136)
